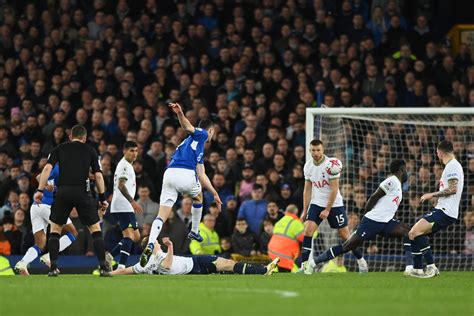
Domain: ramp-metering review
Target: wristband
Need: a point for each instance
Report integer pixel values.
(38, 190)
(102, 197)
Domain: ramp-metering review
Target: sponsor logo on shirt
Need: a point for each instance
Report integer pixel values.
(320, 184)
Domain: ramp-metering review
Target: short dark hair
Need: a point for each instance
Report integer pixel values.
(316, 142)
(129, 144)
(241, 219)
(446, 146)
(396, 165)
(78, 131)
(206, 124)
(257, 186)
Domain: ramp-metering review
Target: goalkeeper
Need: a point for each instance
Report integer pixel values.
(379, 217)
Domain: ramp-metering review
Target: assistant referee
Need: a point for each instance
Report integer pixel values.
(75, 159)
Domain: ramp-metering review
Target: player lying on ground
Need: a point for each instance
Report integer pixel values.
(184, 175)
(322, 200)
(378, 219)
(39, 214)
(443, 215)
(167, 263)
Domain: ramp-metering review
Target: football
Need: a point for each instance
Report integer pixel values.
(334, 166)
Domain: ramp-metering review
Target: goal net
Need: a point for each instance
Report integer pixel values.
(366, 140)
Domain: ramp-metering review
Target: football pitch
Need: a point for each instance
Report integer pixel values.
(383, 294)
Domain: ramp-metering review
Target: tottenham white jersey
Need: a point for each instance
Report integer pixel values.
(450, 204)
(385, 208)
(180, 265)
(319, 178)
(119, 203)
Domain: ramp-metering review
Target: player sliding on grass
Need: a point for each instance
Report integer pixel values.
(378, 219)
(322, 200)
(444, 214)
(39, 214)
(184, 175)
(167, 263)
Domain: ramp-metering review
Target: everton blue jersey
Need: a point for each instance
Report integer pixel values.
(53, 179)
(191, 151)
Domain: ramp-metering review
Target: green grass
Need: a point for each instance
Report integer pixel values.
(320, 294)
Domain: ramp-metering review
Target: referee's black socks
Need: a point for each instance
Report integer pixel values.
(54, 250)
(99, 248)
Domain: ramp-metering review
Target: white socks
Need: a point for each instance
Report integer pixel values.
(196, 213)
(155, 230)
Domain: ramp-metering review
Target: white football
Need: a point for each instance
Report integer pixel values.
(334, 166)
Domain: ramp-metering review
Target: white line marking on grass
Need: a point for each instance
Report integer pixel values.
(284, 294)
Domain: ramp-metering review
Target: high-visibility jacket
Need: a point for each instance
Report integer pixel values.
(288, 234)
(332, 267)
(5, 268)
(210, 244)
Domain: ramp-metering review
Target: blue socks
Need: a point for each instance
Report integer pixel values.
(357, 253)
(419, 248)
(306, 249)
(329, 254)
(127, 244)
(247, 268)
(407, 251)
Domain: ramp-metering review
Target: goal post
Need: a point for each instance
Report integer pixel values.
(366, 140)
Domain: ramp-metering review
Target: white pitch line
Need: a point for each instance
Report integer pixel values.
(282, 293)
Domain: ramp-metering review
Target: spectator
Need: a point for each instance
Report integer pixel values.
(149, 207)
(244, 241)
(254, 210)
(184, 212)
(176, 230)
(265, 236)
(274, 214)
(210, 244)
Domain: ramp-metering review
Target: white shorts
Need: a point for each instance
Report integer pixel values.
(40, 217)
(178, 180)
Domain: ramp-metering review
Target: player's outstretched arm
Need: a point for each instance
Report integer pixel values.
(183, 121)
(206, 183)
(168, 261)
(373, 199)
(125, 271)
(450, 190)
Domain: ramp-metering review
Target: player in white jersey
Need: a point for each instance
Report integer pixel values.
(444, 214)
(123, 205)
(167, 263)
(379, 217)
(322, 200)
(39, 214)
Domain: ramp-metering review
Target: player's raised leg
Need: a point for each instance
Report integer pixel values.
(163, 214)
(196, 214)
(362, 264)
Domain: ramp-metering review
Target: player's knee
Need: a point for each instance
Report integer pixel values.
(413, 233)
(135, 236)
(309, 228)
(344, 233)
(197, 198)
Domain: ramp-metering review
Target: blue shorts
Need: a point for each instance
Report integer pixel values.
(368, 228)
(438, 220)
(126, 220)
(204, 264)
(337, 216)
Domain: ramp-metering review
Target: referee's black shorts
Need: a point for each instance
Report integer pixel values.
(67, 197)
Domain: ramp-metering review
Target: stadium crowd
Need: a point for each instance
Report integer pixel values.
(253, 66)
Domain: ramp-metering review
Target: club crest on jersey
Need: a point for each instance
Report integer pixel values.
(320, 184)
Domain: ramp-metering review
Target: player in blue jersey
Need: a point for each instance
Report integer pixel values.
(184, 175)
(39, 221)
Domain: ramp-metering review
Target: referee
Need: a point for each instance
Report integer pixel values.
(75, 159)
